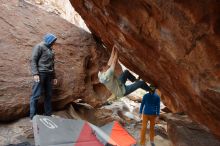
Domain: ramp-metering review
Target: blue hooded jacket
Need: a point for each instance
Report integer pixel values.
(151, 104)
(42, 60)
(49, 39)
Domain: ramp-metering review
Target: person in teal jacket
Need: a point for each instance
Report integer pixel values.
(150, 109)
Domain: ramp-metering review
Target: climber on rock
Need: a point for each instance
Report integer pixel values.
(42, 68)
(117, 84)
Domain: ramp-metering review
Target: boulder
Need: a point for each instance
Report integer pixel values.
(19, 133)
(183, 131)
(63, 8)
(78, 58)
(172, 44)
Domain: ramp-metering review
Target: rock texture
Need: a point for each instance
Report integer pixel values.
(19, 132)
(63, 8)
(173, 44)
(183, 131)
(77, 59)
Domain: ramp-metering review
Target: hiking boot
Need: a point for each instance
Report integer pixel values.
(55, 116)
(152, 144)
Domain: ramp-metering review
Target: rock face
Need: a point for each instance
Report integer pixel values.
(63, 8)
(183, 131)
(77, 59)
(19, 133)
(173, 44)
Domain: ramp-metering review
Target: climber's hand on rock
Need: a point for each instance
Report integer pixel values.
(36, 78)
(116, 47)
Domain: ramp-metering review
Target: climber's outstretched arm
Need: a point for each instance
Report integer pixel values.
(112, 56)
(114, 60)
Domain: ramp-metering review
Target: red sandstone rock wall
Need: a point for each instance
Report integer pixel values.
(173, 44)
(77, 59)
(183, 131)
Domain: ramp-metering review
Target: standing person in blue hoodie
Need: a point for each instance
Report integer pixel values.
(151, 105)
(42, 67)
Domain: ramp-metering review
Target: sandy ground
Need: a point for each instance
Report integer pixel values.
(160, 139)
(133, 124)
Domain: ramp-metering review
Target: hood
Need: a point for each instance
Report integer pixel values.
(49, 39)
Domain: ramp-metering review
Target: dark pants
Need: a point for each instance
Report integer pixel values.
(130, 88)
(45, 85)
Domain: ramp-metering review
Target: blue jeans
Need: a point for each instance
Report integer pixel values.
(130, 88)
(45, 85)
